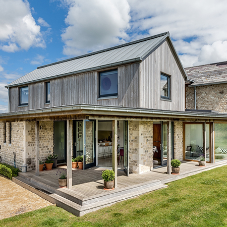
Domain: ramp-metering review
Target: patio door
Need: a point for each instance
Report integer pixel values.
(126, 156)
(78, 139)
(163, 143)
(89, 152)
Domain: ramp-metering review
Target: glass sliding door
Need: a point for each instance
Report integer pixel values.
(126, 157)
(194, 141)
(78, 139)
(60, 140)
(89, 144)
(163, 143)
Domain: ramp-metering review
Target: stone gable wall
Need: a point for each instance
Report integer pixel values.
(178, 140)
(210, 97)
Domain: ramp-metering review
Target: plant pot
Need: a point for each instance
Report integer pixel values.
(49, 166)
(41, 167)
(175, 170)
(202, 163)
(62, 182)
(80, 164)
(55, 162)
(109, 184)
(74, 165)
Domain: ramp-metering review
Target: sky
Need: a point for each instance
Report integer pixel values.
(39, 32)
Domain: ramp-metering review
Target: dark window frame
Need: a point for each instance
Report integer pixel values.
(108, 95)
(20, 101)
(46, 88)
(168, 86)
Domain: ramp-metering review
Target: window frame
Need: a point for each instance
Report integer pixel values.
(46, 96)
(168, 86)
(20, 101)
(107, 95)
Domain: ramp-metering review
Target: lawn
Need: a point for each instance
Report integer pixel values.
(199, 200)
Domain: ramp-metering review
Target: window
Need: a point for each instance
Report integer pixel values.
(165, 86)
(108, 83)
(23, 96)
(48, 92)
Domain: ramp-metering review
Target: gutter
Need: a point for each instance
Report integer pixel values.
(206, 84)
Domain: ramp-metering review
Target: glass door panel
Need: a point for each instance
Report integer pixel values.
(126, 157)
(60, 140)
(78, 139)
(89, 143)
(164, 143)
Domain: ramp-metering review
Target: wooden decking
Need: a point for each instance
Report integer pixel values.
(87, 193)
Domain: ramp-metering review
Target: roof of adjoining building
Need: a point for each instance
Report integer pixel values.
(215, 73)
(135, 51)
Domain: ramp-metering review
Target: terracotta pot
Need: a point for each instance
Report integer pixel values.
(80, 164)
(41, 167)
(109, 184)
(74, 165)
(175, 169)
(49, 166)
(202, 163)
(62, 182)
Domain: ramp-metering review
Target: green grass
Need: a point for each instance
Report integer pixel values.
(199, 200)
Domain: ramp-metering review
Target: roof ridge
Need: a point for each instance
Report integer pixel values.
(107, 49)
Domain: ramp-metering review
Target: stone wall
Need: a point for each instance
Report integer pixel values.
(210, 97)
(89, 142)
(140, 146)
(15, 144)
(45, 142)
(178, 140)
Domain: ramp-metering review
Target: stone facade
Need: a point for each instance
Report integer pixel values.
(140, 146)
(22, 142)
(89, 142)
(178, 140)
(13, 144)
(209, 97)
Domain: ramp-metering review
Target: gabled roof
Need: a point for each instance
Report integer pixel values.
(135, 51)
(215, 73)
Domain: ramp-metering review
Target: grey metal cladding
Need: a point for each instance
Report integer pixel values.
(126, 53)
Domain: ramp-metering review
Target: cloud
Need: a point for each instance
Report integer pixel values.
(42, 22)
(192, 24)
(39, 59)
(3, 108)
(18, 29)
(3, 92)
(94, 25)
(1, 68)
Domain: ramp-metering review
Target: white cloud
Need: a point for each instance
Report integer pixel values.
(42, 22)
(3, 92)
(1, 68)
(3, 108)
(95, 24)
(39, 59)
(192, 24)
(18, 29)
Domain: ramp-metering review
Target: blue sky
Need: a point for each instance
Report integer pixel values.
(34, 33)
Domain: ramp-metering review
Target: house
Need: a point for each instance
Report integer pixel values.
(127, 101)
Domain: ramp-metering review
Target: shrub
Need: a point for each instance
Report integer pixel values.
(49, 161)
(74, 160)
(175, 163)
(108, 175)
(13, 169)
(5, 171)
(79, 159)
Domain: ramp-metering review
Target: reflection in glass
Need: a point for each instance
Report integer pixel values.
(23, 95)
(220, 142)
(165, 86)
(47, 92)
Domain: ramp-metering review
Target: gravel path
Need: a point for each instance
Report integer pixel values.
(16, 200)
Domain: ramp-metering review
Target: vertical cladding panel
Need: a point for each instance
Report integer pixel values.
(14, 99)
(162, 60)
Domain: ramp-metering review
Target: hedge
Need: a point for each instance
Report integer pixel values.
(5, 171)
(14, 170)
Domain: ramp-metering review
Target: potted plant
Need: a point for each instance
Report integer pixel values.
(80, 162)
(175, 163)
(54, 158)
(41, 164)
(202, 161)
(108, 177)
(49, 164)
(62, 180)
(74, 163)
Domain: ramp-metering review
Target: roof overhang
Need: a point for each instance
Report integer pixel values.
(83, 109)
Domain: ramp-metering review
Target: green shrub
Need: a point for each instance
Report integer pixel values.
(74, 159)
(49, 161)
(175, 163)
(108, 175)
(15, 171)
(5, 171)
(79, 159)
